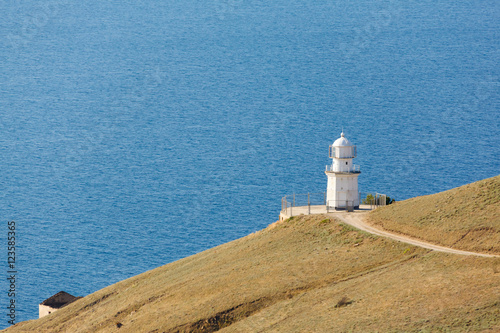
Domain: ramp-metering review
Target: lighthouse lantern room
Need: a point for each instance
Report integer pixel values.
(342, 188)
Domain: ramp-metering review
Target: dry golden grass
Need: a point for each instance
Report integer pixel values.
(465, 218)
(217, 287)
(430, 293)
(306, 274)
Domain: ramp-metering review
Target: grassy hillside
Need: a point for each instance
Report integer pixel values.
(465, 218)
(307, 274)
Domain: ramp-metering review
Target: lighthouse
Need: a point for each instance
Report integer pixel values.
(342, 189)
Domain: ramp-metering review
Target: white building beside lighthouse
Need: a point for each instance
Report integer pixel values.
(342, 189)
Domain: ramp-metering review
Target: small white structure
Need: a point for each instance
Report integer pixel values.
(55, 302)
(342, 190)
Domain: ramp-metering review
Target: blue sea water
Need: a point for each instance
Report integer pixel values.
(133, 134)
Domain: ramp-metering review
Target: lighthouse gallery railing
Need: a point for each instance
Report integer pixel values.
(310, 203)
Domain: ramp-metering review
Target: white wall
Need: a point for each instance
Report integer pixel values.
(44, 310)
(342, 188)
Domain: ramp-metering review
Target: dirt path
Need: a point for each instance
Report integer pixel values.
(357, 220)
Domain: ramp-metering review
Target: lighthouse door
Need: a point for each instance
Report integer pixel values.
(341, 199)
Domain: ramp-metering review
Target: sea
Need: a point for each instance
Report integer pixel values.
(137, 133)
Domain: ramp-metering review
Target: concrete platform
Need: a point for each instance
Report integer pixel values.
(316, 209)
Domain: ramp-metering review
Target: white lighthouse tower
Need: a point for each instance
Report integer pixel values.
(342, 190)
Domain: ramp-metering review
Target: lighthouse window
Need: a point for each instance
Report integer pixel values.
(345, 163)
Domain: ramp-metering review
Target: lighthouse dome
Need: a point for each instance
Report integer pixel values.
(342, 141)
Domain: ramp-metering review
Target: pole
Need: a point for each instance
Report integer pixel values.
(309, 203)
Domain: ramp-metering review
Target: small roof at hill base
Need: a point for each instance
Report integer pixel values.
(59, 300)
